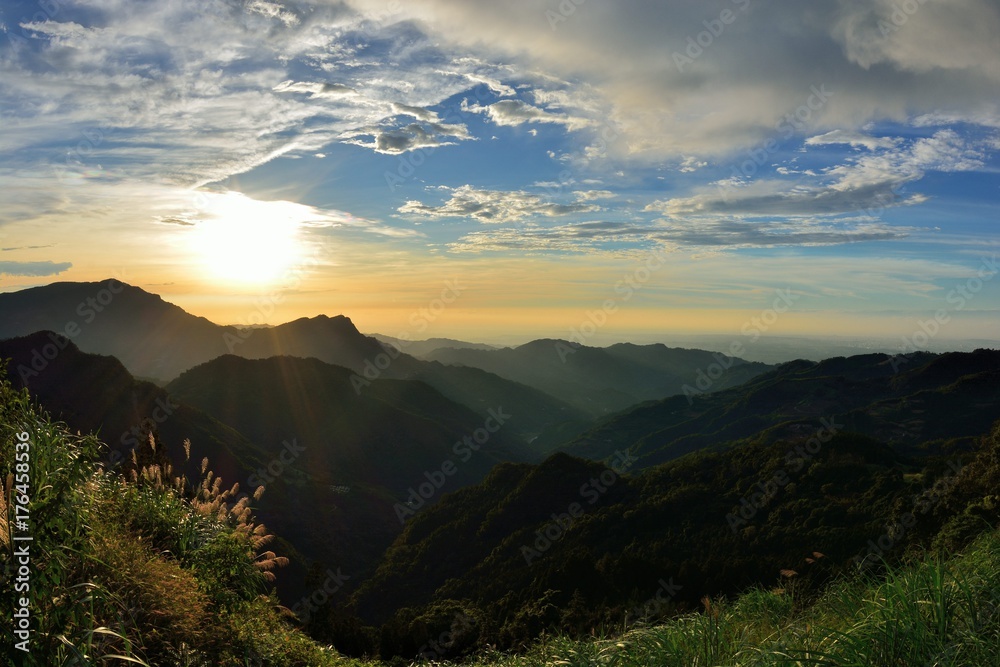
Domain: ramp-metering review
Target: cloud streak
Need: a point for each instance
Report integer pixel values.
(33, 269)
(494, 206)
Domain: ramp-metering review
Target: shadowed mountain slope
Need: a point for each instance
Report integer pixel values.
(600, 381)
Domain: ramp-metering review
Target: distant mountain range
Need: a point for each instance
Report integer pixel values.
(927, 398)
(550, 485)
(421, 348)
(599, 381)
(553, 388)
(157, 340)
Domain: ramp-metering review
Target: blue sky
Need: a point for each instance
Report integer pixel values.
(352, 156)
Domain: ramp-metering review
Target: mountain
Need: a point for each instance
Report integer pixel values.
(335, 340)
(156, 339)
(571, 544)
(813, 469)
(96, 394)
(297, 426)
(113, 318)
(421, 348)
(600, 381)
(904, 402)
(386, 436)
(348, 467)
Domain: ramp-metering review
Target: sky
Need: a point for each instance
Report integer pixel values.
(623, 169)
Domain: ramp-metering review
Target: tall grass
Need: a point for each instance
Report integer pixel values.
(150, 569)
(930, 613)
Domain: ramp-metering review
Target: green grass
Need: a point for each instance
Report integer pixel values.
(932, 612)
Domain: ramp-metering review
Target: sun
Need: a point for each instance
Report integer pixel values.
(241, 240)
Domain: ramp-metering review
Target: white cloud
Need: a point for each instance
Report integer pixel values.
(870, 182)
(493, 84)
(854, 139)
(589, 195)
(518, 112)
(691, 163)
(762, 66)
(703, 234)
(417, 112)
(272, 10)
(495, 206)
(315, 89)
(180, 94)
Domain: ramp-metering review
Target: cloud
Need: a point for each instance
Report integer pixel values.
(272, 10)
(733, 233)
(854, 139)
(518, 112)
(493, 84)
(691, 163)
(218, 88)
(33, 269)
(315, 89)
(417, 112)
(590, 195)
(494, 206)
(167, 97)
(180, 220)
(193, 94)
(870, 182)
(760, 67)
(924, 37)
(715, 234)
(409, 138)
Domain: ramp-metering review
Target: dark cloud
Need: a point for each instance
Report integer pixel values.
(33, 269)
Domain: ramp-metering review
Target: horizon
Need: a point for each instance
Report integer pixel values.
(669, 170)
(754, 341)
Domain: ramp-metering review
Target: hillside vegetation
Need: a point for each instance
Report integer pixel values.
(150, 569)
(152, 564)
